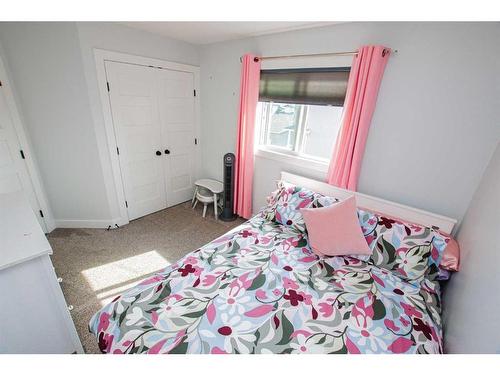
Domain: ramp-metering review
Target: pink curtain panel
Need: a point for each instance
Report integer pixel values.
(364, 81)
(249, 95)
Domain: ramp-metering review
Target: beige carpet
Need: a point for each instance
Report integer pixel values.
(96, 265)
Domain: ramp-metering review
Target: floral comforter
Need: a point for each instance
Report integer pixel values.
(260, 289)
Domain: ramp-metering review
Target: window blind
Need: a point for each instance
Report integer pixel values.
(321, 86)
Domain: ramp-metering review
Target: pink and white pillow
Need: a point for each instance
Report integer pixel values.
(285, 203)
(410, 250)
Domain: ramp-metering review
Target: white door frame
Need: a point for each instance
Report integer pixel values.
(101, 56)
(25, 146)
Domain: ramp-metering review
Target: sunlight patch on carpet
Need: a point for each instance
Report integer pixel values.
(113, 278)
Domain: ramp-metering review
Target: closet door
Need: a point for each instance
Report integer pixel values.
(133, 95)
(14, 174)
(177, 114)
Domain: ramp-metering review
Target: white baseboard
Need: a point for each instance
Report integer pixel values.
(92, 224)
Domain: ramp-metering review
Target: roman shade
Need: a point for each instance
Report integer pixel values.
(320, 86)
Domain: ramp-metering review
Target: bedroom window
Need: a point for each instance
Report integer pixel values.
(299, 112)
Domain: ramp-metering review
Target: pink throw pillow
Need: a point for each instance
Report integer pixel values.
(334, 230)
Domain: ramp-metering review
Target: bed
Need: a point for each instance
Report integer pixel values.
(260, 289)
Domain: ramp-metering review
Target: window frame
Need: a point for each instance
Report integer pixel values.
(264, 142)
(283, 154)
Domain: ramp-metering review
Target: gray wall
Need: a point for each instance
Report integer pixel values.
(53, 73)
(436, 122)
(47, 74)
(471, 305)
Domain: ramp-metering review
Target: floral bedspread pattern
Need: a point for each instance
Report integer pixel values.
(260, 289)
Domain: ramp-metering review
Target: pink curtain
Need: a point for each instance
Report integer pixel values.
(364, 81)
(249, 95)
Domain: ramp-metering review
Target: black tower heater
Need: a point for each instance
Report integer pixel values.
(227, 210)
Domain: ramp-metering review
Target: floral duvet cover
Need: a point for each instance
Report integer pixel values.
(260, 289)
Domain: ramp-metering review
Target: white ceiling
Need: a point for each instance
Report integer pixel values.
(212, 32)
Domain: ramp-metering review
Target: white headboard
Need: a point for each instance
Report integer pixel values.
(413, 215)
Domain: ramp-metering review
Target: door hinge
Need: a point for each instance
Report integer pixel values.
(194, 92)
(118, 151)
(22, 154)
(107, 85)
(126, 204)
(41, 213)
(196, 141)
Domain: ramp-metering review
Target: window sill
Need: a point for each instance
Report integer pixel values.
(306, 163)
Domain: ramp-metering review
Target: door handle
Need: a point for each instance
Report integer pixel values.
(167, 151)
(158, 153)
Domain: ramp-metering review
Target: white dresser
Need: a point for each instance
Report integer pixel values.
(34, 317)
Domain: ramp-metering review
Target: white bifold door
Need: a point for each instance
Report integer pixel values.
(153, 113)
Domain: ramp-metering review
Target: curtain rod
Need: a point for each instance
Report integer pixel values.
(348, 53)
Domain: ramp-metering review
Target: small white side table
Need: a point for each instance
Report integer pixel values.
(207, 191)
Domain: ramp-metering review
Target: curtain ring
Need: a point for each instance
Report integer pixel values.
(256, 59)
(384, 52)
